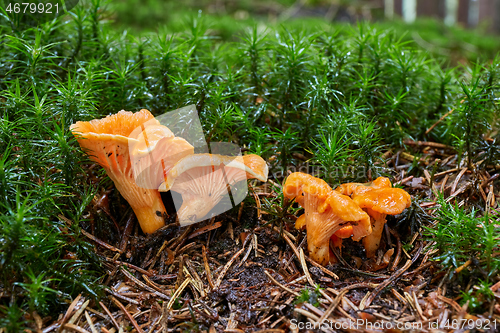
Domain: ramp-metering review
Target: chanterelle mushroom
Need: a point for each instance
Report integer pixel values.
(378, 199)
(326, 212)
(107, 141)
(204, 179)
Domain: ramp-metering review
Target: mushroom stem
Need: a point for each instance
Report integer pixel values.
(321, 223)
(146, 203)
(150, 218)
(371, 242)
(319, 247)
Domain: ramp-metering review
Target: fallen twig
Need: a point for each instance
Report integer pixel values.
(100, 242)
(129, 316)
(226, 267)
(387, 282)
(204, 229)
(143, 285)
(280, 285)
(440, 120)
(113, 320)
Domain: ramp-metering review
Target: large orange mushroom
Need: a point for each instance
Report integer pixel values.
(204, 179)
(378, 199)
(326, 212)
(107, 141)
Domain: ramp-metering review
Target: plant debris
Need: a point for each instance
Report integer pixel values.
(206, 280)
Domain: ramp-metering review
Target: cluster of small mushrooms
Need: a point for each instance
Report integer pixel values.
(351, 210)
(143, 157)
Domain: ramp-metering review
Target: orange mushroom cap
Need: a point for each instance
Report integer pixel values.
(293, 188)
(347, 210)
(106, 141)
(390, 201)
(203, 180)
(326, 212)
(149, 135)
(122, 124)
(337, 237)
(300, 223)
(351, 188)
(345, 232)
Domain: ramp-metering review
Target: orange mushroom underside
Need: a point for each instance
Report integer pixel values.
(204, 180)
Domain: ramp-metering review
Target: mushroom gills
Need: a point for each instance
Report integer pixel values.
(209, 183)
(209, 189)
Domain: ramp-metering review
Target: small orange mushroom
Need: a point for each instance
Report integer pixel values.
(326, 212)
(204, 179)
(345, 232)
(107, 141)
(378, 199)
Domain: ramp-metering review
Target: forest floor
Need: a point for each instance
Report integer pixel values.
(237, 273)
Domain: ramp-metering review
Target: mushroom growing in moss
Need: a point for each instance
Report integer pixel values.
(378, 199)
(326, 212)
(107, 141)
(204, 179)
